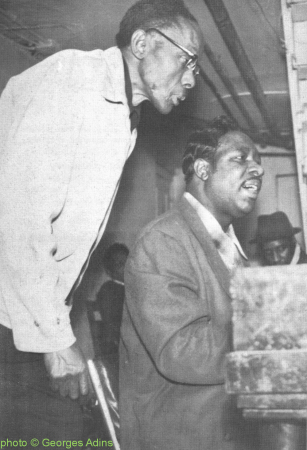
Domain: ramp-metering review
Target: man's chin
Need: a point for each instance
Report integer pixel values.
(163, 108)
(165, 111)
(244, 210)
(248, 205)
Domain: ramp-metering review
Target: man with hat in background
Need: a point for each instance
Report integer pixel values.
(277, 246)
(276, 242)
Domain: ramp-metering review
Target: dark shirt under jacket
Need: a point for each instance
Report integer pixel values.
(110, 300)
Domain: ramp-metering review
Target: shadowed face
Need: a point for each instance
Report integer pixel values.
(278, 252)
(165, 76)
(119, 261)
(235, 181)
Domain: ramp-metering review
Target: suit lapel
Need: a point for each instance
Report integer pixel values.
(200, 232)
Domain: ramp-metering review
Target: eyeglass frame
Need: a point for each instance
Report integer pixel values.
(191, 64)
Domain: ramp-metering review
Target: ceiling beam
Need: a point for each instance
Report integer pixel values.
(218, 96)
(26, 36)
(224, 76)
(236, 49)
(263, 139)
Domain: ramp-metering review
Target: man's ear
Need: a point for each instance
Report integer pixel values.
(202, 169)
(138, 43)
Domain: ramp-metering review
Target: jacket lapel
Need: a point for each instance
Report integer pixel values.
(200, 232)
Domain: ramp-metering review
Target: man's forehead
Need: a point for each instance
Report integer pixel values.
(235, 140)
(187, 34)
(276, 243)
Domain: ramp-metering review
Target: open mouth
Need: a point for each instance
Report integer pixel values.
(253, 185)
(178, 100)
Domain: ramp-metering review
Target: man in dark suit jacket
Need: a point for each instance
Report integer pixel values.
(176, 327)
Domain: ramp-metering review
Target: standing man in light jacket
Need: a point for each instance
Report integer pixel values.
(176, 328)
(67, 126)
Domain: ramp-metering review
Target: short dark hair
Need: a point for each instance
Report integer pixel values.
(109, 257)
(203, 144)
(151, 13)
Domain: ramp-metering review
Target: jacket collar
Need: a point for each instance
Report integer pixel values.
(200, 232)
(296, 255)
(114, 83)
(212, 225)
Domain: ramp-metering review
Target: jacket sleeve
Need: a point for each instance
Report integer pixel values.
(37, 151)
(173, 321)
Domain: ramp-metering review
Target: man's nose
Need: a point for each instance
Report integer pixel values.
(256, 168)
(188, 79)
(276, 257)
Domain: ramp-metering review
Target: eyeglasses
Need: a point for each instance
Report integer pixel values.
(191, 64)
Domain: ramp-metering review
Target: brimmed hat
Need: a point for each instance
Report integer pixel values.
(274, 226)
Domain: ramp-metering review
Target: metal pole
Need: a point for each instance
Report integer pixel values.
(224, 76)
(102, 401)
(213, 88)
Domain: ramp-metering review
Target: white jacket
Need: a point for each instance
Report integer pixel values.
(64, 139)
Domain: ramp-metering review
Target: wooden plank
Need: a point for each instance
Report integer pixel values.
(265, 317)
(273, 401)
(302, 72)
(297, 92)
(299, 12)
(267, 372)
(275, 414)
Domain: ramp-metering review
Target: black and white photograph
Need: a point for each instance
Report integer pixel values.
(153, 224)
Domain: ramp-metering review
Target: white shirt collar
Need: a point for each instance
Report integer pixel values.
(213, 227)
(118, 282)
(296, 256)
